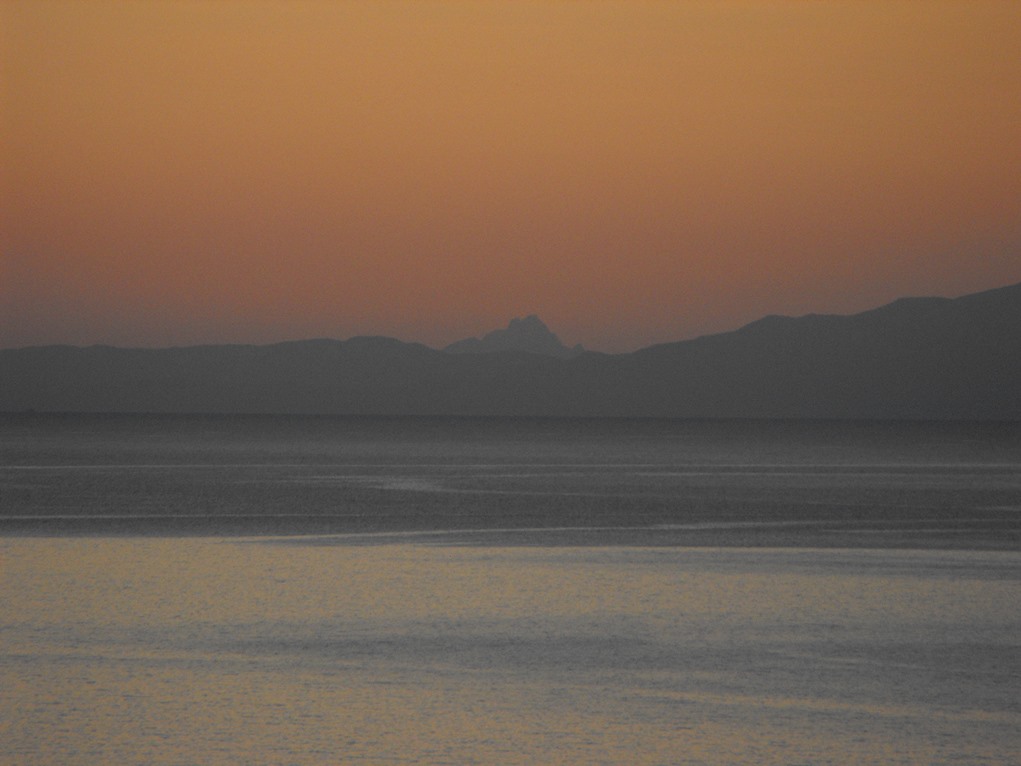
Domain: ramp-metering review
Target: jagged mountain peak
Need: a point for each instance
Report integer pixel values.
(529, 334)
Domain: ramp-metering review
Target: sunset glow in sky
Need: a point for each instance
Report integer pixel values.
(175, 173)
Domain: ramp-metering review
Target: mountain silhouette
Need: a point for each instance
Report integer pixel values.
(917, 358)
(528, 334)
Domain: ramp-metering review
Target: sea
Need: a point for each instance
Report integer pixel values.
(330, 590)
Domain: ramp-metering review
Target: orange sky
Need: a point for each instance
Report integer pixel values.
(633, 172)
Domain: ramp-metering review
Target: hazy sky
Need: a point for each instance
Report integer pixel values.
(633, 172)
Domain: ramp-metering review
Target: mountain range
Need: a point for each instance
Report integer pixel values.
(916, 358)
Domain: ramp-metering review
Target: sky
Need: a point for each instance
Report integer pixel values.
(179, 173)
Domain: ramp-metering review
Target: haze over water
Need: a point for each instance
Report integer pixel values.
(323, 590)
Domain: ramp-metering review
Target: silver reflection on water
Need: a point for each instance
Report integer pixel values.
(292, 590)
(229, 651)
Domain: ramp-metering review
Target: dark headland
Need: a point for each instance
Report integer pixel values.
(916, 358)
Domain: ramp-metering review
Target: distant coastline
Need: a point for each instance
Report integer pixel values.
(913, 359)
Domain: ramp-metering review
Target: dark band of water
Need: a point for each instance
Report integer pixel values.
(534, 481)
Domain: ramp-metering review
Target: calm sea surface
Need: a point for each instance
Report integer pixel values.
(216, 590)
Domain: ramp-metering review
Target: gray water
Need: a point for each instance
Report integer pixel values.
(312, 591)
(648, 481)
